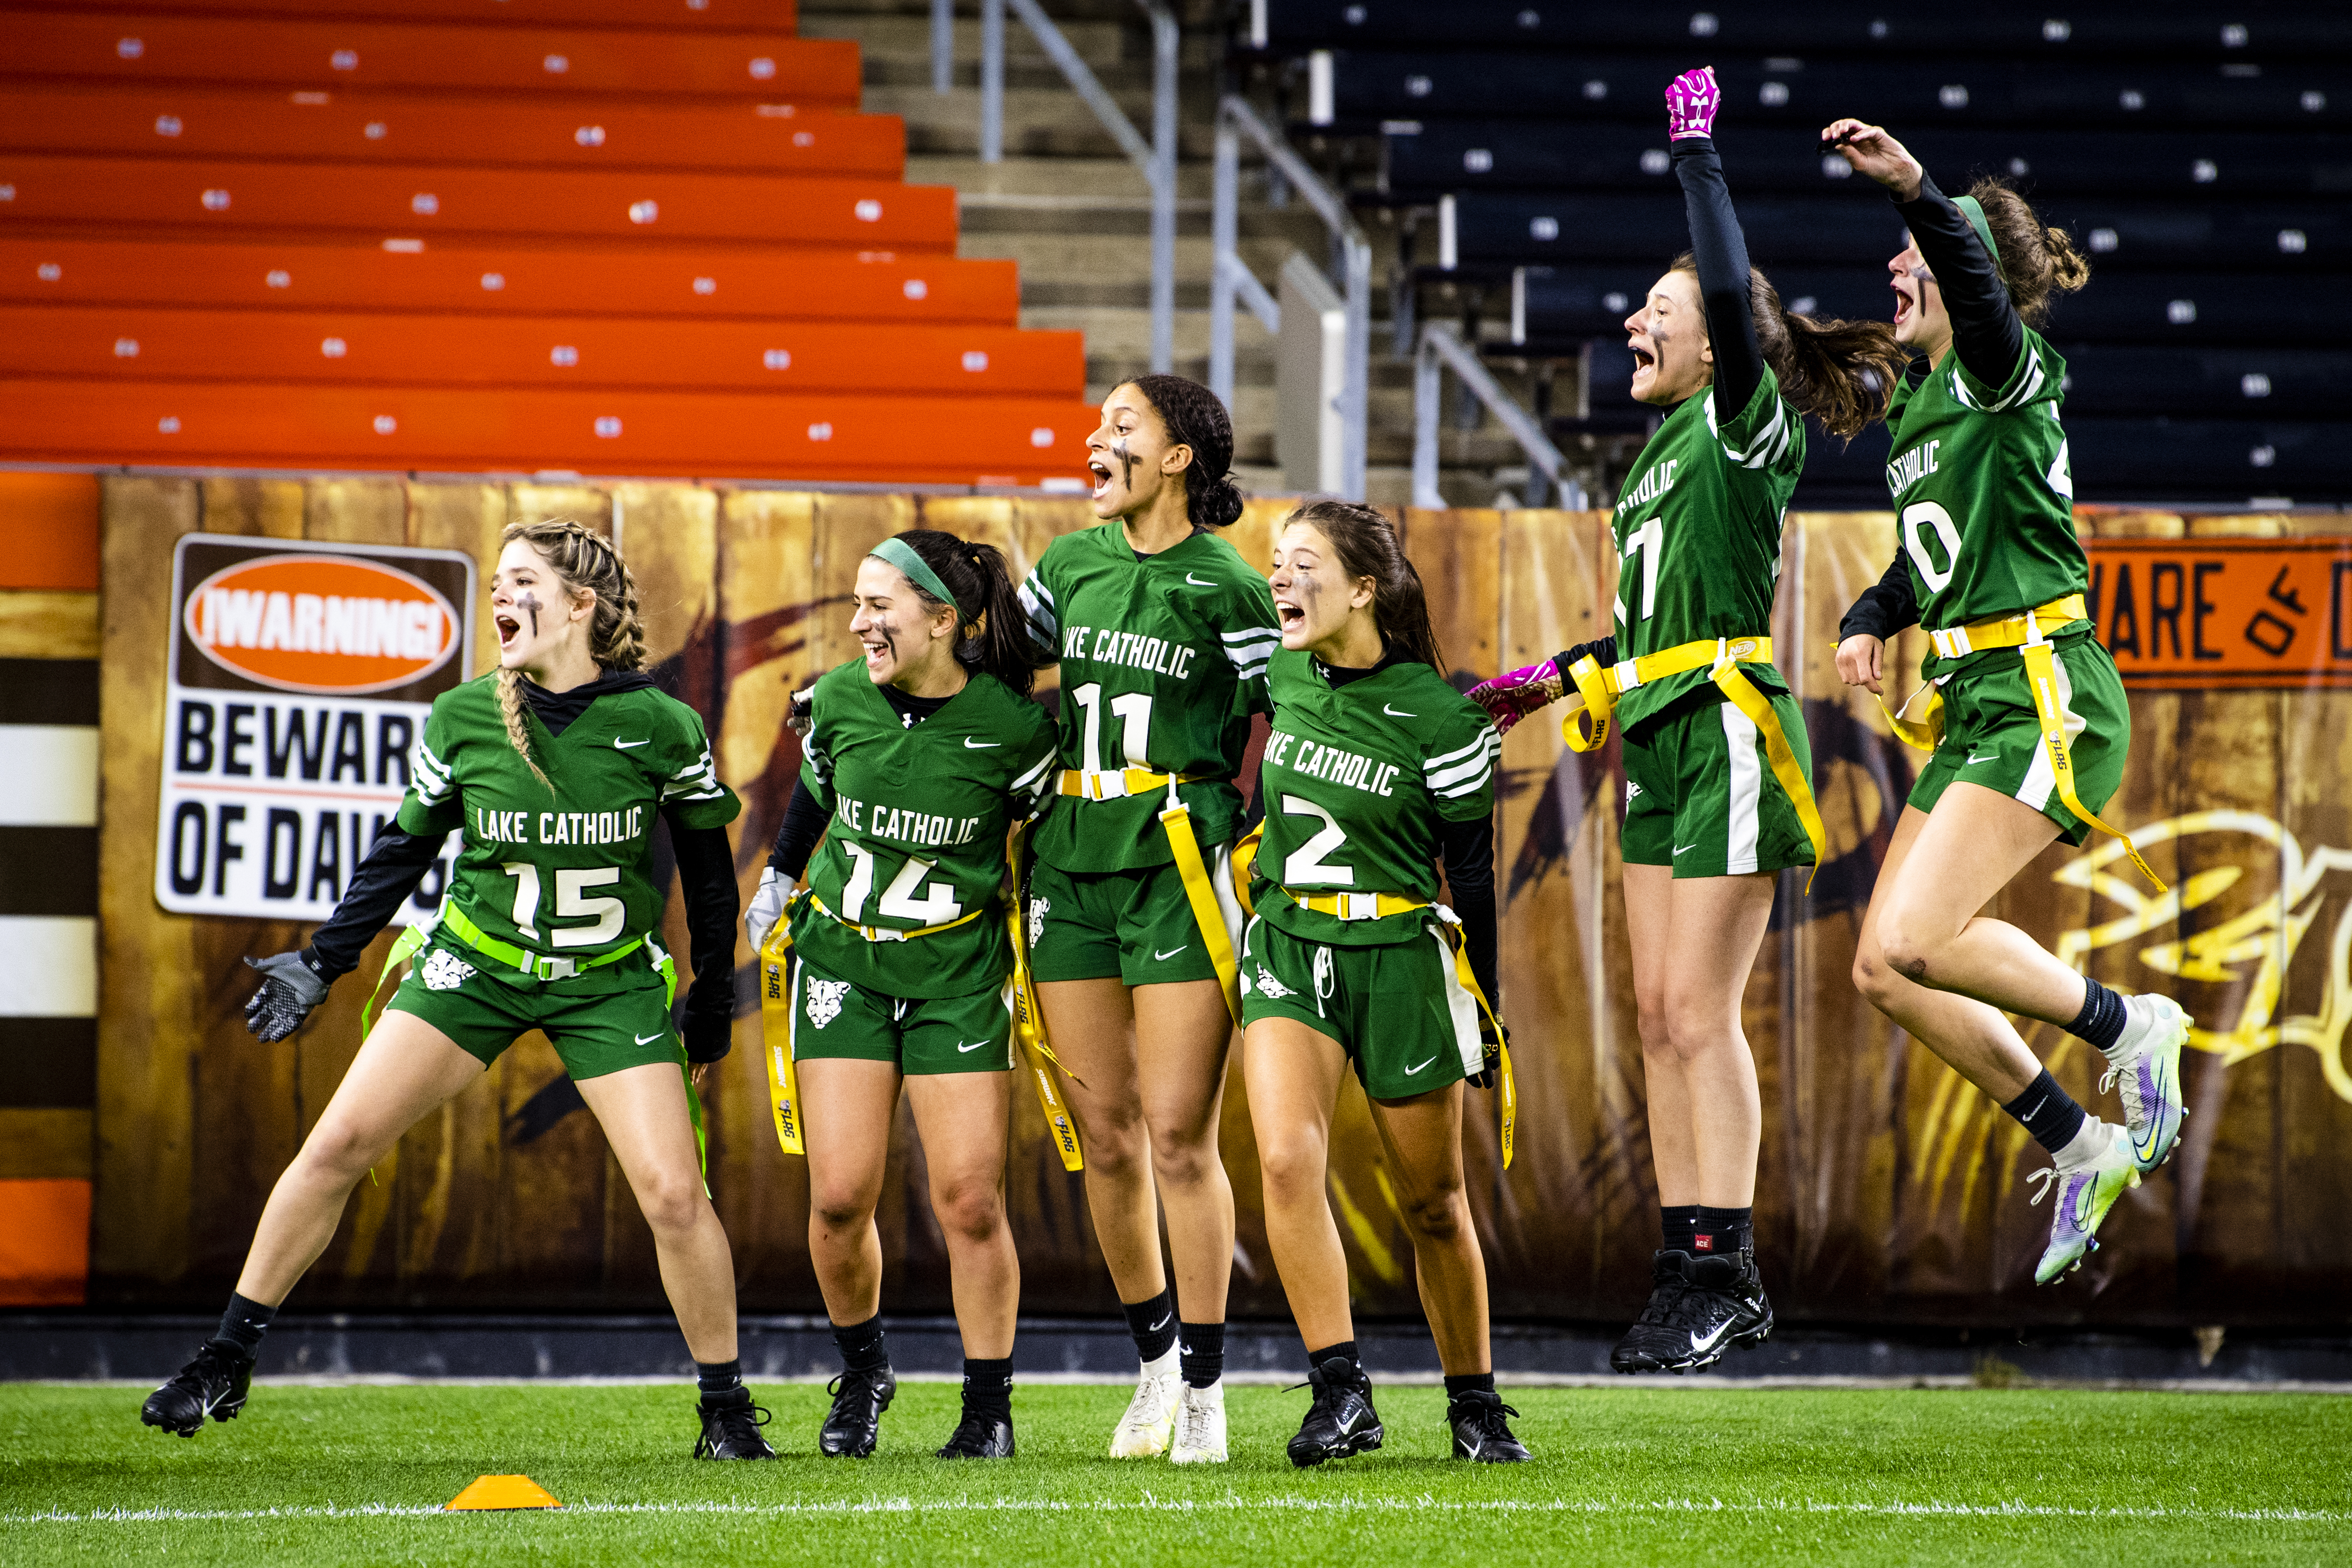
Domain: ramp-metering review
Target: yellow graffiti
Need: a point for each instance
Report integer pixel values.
(2265, 937)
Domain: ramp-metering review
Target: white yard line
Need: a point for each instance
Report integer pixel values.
(902, 1506)
(1263, 1379)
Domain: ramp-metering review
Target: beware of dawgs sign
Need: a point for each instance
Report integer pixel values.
(300, 676)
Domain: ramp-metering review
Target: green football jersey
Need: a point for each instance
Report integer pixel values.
(1698, 535)
(1163, 661)
(917, 838)
(566, 875)
(1356, 779)
(1984, 499)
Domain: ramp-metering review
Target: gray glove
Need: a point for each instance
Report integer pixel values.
(767, 907)
(288, 991)
(800, 714)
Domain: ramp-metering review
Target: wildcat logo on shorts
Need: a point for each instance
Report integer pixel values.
(1270, 987)
(444, 971)
(824, 1000)
(1037, 907)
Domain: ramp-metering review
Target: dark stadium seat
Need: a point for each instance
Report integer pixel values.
(1863, 27)
(1369, 88)
(351, 348)
(148, 120)
(811, 436)
(1427, 157)
(661, 206)
(715, 284)
(2295, 240)
(326, 55)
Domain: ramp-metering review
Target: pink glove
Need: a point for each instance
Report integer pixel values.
(1691, 103)
(1510, 698)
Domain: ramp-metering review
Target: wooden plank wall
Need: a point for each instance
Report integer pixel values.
(1889, 1189)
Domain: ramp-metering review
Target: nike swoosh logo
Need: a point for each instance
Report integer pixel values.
(975, 1045)
(1164, 958)
(1474, 1448)
(1350, 1423)
(979, 745)
(1163, 1324)
(1710, 1342)
(1197, 582)
(1680, 848)
(649, 1038)
(1988, 756)
(625, 745)
(1393, 713)
(1410, 1071)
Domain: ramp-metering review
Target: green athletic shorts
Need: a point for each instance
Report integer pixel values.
(917, 1035)
(1134, 925)
(1993, 738)
(1398, 1010)
(1701, 795)
(595, 1032)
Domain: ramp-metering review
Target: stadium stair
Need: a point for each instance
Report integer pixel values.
(509, 236)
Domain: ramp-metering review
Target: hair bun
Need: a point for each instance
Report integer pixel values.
(1220, 503)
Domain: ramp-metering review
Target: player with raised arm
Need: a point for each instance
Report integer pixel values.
(1164, 633)
(1717, 769)
(1375, 772)
(894, 966)
(553, 769)
(2027, 719)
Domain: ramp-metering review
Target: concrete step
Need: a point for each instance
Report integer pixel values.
(1039, 122)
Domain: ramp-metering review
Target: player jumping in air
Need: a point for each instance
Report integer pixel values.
(2027, 719)
(1376, 770)
(1164, 633)
(1717, 769)
(553, 770)
(918, 756)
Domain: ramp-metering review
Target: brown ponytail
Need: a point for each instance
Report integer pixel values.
(582, 562)
(1842, 374)
(1366, 545)
(2036, 261)
(992, 633)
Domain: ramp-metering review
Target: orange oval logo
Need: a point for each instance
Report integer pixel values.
(322, 623)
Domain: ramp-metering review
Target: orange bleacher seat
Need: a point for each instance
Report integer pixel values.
(817, 436)
(145, 119)
(355, 348)
(703, 16)
(203, 193)
(326, 55)
(699, 284)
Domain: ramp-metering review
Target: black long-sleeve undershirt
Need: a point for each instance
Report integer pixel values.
(1886, 609)
(1987, 332)
(1721, 251)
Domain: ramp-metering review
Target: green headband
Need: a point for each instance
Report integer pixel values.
(901, 554)
(1973, 210)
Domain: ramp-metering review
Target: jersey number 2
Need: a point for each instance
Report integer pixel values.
(571, 901)
(1305, 865)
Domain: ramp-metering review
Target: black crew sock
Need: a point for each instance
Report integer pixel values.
(988, 1387)
(245, 1322)
(862, 1346)
(1468, 1382)
(1201, 1352)
(2048, 1111)
(2101, 1021)
(719, 1378)
(1722, 1233)
(1675, 1223)
(1345, 1349)
(1153, 1324)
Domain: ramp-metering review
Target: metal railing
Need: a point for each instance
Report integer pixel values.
(1156, 158)
(1441, 349)
(1229, 277)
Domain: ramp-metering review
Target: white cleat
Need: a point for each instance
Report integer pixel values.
(2145, 1063)
(1150, 1420)
(1200, 1425)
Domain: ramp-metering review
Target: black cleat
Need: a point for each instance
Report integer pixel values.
(212, 1383)
(1341, 1421)
(980, 1435)
(1480, 1432)
(1637, 1351)
(730, 1427)
(1720, 1306)
(854, 1422)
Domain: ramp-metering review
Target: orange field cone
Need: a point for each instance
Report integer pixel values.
(500, 1492)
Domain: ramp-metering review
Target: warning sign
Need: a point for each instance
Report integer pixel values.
(300, 678)
(2185, 614)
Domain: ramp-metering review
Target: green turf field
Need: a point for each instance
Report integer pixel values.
(1633, 1475)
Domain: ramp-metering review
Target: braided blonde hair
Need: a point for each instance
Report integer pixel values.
(582, 562)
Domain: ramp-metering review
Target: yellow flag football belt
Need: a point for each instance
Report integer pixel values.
(1184, 847)
(2028, 632)
(1587, 726)
(887, 933)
